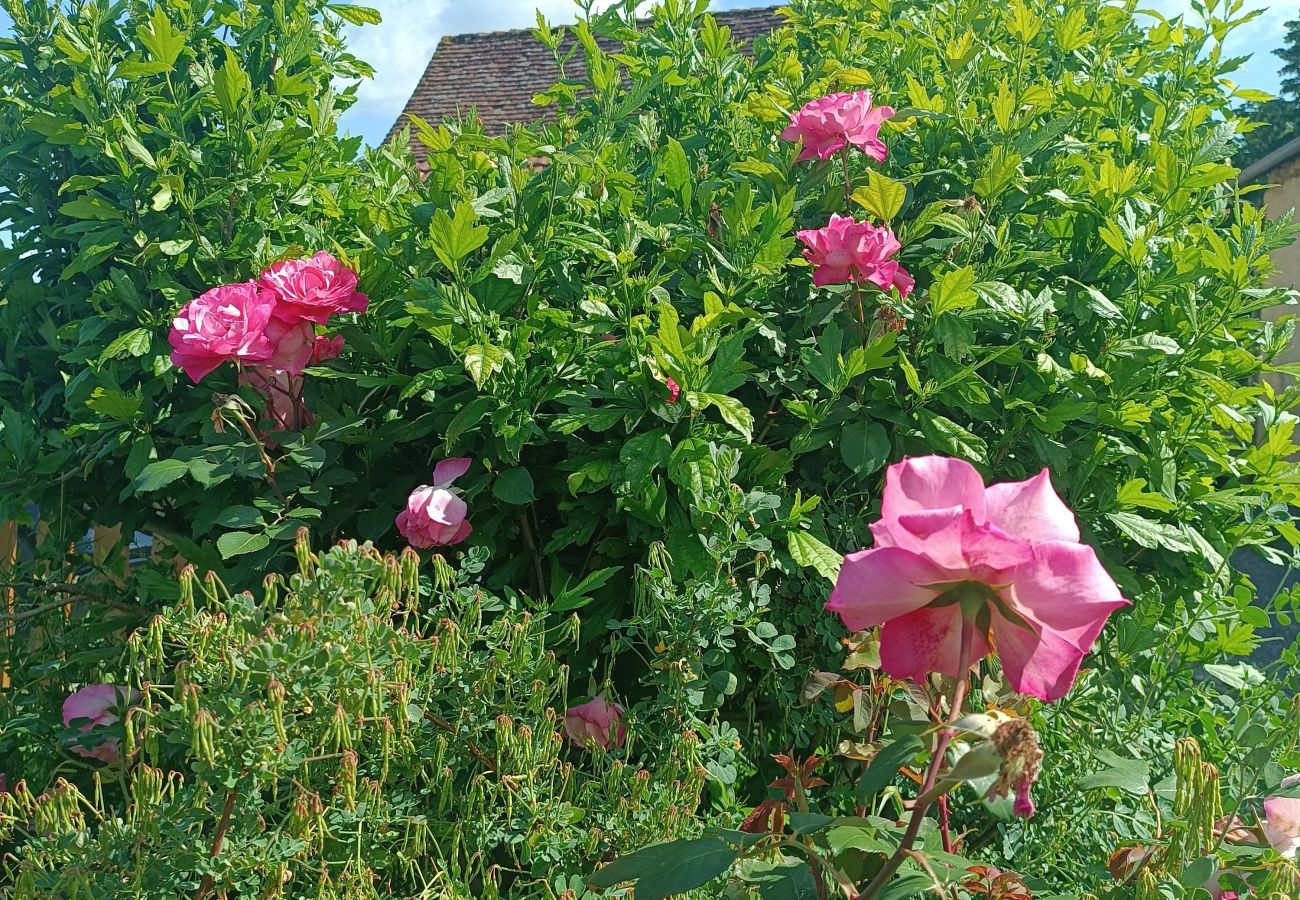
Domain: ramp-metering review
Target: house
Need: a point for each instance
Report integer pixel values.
(1280, 170)
(497, 74)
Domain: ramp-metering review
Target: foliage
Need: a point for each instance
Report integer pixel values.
(356, 731)
(1088, 284)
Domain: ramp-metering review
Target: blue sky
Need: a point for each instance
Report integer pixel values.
(400, 48)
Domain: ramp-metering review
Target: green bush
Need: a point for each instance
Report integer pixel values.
(1089, 281)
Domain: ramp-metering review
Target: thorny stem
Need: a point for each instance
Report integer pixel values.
(940, 748)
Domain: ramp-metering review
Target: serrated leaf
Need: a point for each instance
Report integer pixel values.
(162, 39)
(881, 196)
(953, 291)
(160, 474)
(947, 436)
(356, 15)
(734, 413)
(238, 543)
(482, 361)
(231, 85)
(514, 486)
(864, 446)
(806, 550)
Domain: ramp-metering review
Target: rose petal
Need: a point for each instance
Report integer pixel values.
(927, 640)
(1032, 510)
(884, 583)
(932, 482)
(447, 471)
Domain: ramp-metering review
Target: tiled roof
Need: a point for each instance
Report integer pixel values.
(496, 74)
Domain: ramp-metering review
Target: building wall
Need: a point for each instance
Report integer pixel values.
(1284, 195)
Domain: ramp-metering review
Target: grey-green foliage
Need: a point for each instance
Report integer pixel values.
(355, 731)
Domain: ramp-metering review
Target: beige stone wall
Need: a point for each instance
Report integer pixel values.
(1282, 196)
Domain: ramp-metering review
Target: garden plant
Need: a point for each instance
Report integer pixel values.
(815, 468)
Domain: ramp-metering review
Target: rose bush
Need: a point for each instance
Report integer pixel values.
(680, 420)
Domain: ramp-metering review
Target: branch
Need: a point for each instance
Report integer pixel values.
(474, 751)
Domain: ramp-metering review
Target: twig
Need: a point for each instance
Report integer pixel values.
(537, 557)
(72, 589)
(209, 881)
(484, 760)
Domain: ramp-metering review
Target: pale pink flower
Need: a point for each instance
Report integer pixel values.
(294, 345)
(326, 349)
(285, 408)
(435, 514)
(313, 289)
(1013, 550)
(829, 124)
(598, 723)
(228, 323)
(849, 250)
(97, 706)
(1282, 821)
(674, 390)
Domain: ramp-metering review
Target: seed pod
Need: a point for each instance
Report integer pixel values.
(302, 552)
(271, 587)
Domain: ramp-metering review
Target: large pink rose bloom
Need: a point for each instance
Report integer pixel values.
(435, 514)
(598, 722)
(849, 250)
(1003, 563)
(1282, 821)
(829, 124)
(313, 289)
(228, 323)
(96, 706)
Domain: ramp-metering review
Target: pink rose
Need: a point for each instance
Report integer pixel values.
(294, 345)
(97, 706)
(312, 290)
(829, 124)
(326, 349)
(674, 390)
(228, 323)
(596, 723)
(848, 250)
(1003, 561)
(285, 408)
(435, 514)
(1282, 821)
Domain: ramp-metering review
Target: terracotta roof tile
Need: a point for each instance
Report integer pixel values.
(496, 74)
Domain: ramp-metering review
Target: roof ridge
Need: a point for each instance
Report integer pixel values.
(468, 37)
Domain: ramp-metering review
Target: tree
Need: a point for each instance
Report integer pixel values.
(1278, 119)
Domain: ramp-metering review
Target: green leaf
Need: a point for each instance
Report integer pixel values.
(238, 543)
(806, 550)
(1132, 776)
(785, 882)
(947, 436)
(662, 870)
(864, 446)
(356, 15)
(114, 404)
(642, 455)
(135, 342)
(482, 361)
(89, 206)
(1134, 493)
(163, 40)
(953, 291)
(885, 765)
(231, 85)
(1151, 534)
(160, 474)
(882, 196)
(239, 517)
(455, 238)
(676, 170)
(734, 413)
(514, 486)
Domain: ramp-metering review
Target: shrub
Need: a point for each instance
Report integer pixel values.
(349, 733)
(674, 432)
